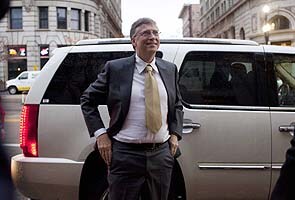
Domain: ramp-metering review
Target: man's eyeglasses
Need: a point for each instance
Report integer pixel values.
(148, 33)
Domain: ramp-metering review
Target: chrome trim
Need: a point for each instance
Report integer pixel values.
(276, 167)
(289, 109)
(222, 107)
(231, 166)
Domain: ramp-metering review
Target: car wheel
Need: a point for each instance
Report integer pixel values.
(12, 90)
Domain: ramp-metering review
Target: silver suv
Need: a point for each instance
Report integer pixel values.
(238, 97)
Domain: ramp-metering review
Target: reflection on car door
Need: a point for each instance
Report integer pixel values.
(226, 146)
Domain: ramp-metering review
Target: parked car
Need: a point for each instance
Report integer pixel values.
(239, 105)
(22, 83)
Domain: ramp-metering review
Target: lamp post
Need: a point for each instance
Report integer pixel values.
(266, 26)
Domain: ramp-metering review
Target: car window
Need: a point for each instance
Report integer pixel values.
(285, 76)
(75, 74)
(23, 76)
(218, 78)
(34, 75)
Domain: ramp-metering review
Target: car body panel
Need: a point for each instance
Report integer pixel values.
(55, 177)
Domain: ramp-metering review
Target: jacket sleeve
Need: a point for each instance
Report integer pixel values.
(177, 124)
(95, 95)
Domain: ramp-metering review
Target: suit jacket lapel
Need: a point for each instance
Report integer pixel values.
(126, 77)
(167, 76)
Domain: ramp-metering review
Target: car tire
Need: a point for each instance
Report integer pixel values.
(12, 90)
(93, 182)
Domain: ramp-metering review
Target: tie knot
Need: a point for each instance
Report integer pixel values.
(149, 68)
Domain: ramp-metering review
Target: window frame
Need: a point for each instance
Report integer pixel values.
(259, 66)
(61, 21)
(86, 20)
(75, 21)
(15, 22)
(43, 18)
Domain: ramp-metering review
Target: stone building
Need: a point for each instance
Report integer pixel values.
(245, 19)
(190, 15)
(32, 29)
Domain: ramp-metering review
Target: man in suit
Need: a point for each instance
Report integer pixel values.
(138, 148)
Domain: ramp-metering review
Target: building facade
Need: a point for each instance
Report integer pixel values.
(32, 29)
(190, 15)
(245, 19)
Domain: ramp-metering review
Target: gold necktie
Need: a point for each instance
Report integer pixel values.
(152, 102)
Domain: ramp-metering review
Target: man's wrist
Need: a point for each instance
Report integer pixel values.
(99, 132)
(172, 134)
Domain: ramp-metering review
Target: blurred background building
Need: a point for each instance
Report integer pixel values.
(264, 21)
(32, 29)
(190, 14)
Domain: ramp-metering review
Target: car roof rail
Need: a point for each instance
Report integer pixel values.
(170, 41)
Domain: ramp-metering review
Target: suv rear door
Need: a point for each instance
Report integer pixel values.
(226, 146)
(281, 64)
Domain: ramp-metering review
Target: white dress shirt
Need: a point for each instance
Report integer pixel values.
(134, 127)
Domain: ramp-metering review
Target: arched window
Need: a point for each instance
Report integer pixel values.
(242, 34)
(279, 22)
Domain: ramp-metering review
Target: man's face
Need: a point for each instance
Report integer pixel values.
(146, 39)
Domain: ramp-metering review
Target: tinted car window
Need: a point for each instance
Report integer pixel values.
(285, 76)
(75, 74)
(218, 78)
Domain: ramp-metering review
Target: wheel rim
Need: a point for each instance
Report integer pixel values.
(12, 90)
(105, 195)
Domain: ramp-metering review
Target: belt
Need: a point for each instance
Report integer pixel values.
(143, 146)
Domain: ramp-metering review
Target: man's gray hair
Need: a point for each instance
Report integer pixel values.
(140, 22)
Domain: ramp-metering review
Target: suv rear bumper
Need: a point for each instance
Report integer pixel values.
(46, 178)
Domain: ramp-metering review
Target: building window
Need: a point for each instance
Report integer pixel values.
(225, 6)
(16, 18)
(280, 22)
(43, 17)
(62, 18)
(242, 34)
(86, 20)
(75, 19)
(207, 21)
(230, 3)
(212, 17)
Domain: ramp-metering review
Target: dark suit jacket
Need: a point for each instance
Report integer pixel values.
(113, 88)
(284, 188)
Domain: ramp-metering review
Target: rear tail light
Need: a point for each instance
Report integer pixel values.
(28, 130)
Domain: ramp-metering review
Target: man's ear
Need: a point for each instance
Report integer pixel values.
(4, 5)
(133, 41)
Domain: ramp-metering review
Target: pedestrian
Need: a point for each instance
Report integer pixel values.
(284, 188)
(146, 116)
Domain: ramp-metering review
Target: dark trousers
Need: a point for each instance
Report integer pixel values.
(141, 173)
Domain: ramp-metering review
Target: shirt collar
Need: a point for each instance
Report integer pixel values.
(140, 64)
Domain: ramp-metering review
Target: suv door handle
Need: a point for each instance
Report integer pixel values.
(288, 128)
(189, 126)
(192, 125)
